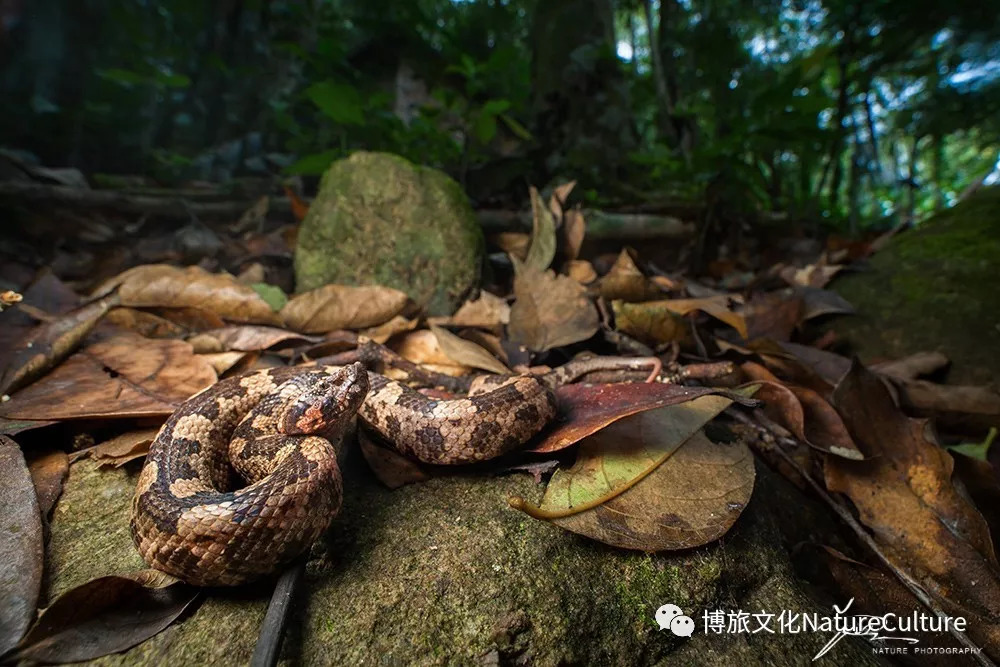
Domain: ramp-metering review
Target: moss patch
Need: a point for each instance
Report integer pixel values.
(446, 573)
(934, 288)
(379, 219)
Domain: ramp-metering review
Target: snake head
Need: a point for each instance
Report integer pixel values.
(325, 405)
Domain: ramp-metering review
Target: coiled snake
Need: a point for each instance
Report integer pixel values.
(273, 428)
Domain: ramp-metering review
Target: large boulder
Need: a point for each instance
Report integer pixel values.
(934, 288)
(445, 572)
(379, 219)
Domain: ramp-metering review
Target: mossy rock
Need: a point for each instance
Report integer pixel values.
(446, 573)
(933, 288)
(379, 219)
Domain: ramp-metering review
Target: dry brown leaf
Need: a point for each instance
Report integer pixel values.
(878, 593)
(161, 285)
(514, 244)
(904, 493)
(47, 294)
(191, 319)
(585, 409)
(145, 323)
(651, 323)
(626, 282)
(52, 342)
(694, 497)
(827, 365)
(120, 449)
(255, 337)
(396, 325)
(122, 375)
(466, 353)
(716, 306)
(422, 347)
(48, 472)
(818, 302)
(560, 194)
(224, 361)
(549, 310)
(333, 307)
(15, 426)
(773, 315)
(803, 412)
(814, 275)
(105, 615)
(392, 469)
(581, 271)
(543, 234)
(488, 311)
(21, 549)
(574, 231)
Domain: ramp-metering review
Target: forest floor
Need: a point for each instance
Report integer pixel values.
(764, 467)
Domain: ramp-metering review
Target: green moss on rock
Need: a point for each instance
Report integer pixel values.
(934, 288)
(446, 573)
(379, 219)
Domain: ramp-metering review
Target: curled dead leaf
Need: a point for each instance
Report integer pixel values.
(333, 307)
(584, 409)
(466, 353)
(803, 412)
(162, 285)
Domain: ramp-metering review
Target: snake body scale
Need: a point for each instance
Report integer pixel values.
(273, 428)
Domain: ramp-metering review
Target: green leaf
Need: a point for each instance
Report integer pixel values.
(976, 450)
(520, 131)
(272, 296)
(496, 107)
(485, 128)
(172, 80)
(312, 165)
(613, 460)
(340, 102)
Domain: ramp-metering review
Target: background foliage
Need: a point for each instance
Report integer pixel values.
(844, 111)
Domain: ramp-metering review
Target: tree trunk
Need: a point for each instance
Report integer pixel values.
(580, 105)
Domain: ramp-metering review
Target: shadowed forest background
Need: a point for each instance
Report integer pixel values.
(850, 114)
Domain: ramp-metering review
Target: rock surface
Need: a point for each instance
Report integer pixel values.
(446, 573)
(378, 219)
(934, 288)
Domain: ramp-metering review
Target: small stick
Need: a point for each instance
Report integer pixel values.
(265, 653)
